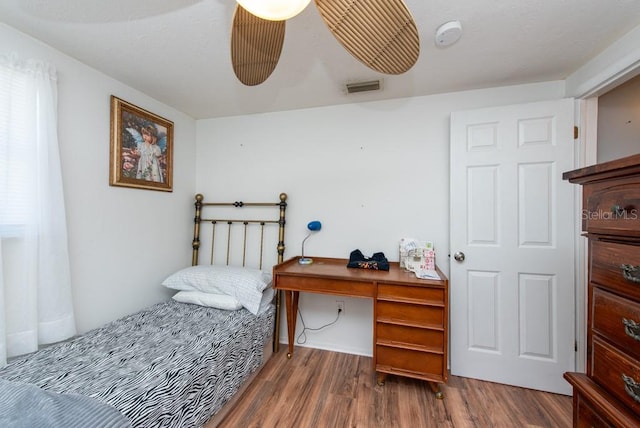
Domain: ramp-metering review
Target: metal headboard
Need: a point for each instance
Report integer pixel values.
(200, 205)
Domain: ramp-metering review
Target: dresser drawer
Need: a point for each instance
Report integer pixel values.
(433, 295)
(617, 373)
(410, 362)
(617, 319)
(607, 259)
(409, 314)
(401, 335)
(614, 208)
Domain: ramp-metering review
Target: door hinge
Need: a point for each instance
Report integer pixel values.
(575, 132)
(575, 346)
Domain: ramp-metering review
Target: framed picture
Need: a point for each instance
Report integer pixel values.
(141, 148)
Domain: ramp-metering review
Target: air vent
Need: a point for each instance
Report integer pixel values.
(372, 85)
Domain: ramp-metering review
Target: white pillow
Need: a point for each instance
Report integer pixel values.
(220, 301)
(214, 278)
(267, 299)
(244, 284)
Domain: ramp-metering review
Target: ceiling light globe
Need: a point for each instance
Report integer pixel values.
(274, 10)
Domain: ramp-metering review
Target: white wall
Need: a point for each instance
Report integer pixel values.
(371, 172)
(619, 121)
(122, 241)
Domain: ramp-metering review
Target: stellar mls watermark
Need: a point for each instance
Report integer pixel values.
(614, 214)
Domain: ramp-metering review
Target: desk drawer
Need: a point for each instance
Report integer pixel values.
(409, 314)
(404, 292)
(616, 319)
(311, 284)
(617, 373)
(400, 335)
(423, 365)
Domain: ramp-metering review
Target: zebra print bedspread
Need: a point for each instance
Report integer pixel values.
(171, 365)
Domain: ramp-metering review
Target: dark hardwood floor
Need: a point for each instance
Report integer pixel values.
(317, 388)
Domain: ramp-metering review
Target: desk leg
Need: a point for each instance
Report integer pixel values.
(291, 298)
(435, 388)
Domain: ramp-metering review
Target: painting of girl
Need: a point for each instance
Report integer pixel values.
(141, 151)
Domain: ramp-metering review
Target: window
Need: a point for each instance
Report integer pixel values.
(15, 148)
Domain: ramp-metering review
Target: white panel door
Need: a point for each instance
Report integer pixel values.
(512, 216)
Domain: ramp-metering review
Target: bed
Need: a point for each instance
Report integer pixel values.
(179, 363)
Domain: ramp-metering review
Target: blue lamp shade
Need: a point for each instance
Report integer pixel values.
(313, 226)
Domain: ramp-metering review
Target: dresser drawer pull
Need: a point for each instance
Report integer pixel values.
(631, 387)
(631, 328)
(617, 210)
(630, 273)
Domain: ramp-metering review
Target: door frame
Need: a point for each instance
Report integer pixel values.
(586, 117)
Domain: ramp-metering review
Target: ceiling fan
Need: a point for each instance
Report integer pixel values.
(379, 33)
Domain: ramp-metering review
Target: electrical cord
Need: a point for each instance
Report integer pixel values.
(303, 333)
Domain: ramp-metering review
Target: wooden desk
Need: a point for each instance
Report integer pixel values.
(410, 321)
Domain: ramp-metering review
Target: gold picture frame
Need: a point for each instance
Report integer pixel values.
(141, 154)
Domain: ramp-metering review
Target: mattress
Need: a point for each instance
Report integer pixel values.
(171, 365)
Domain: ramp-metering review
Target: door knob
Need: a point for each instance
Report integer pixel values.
(459, 256)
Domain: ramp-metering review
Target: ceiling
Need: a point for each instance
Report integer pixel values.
(177, 51)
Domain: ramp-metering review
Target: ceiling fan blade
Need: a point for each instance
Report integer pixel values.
(379, 33)
(256, 45)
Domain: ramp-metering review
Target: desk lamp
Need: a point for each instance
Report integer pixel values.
(313, 226)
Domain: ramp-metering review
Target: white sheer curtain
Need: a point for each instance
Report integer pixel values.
(35, 288)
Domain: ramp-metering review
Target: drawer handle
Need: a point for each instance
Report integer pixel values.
(630, 273)
(631, 328)
(631, 387)
(617, 210)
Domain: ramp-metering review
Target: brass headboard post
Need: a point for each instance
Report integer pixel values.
(196, 230)
(281, 222)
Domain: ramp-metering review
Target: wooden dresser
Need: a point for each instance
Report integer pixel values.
(410, 314)
(608, 395)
